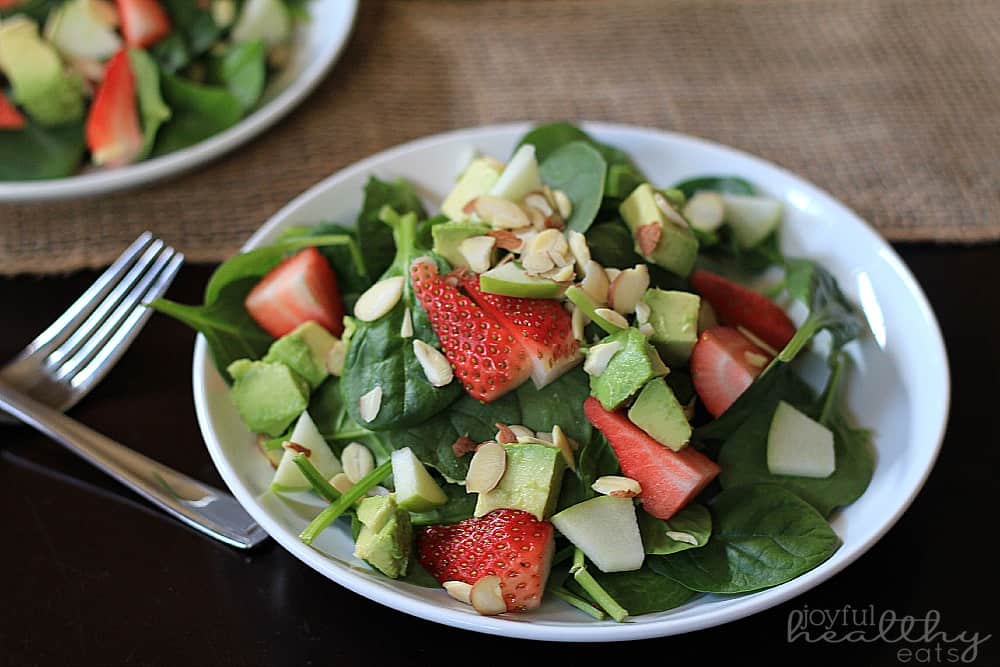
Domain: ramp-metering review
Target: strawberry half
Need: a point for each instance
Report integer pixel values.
(300, 289)
(723, 364)
(542, 326)
(508, 543)
(488, 360)
(113, 133)
(10, 117)
(739, 306)
(144, 22)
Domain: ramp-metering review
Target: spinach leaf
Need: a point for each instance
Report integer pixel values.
(328, 411)
(42, 152)
(560, 402)
(376, 237)
(547, 139)
(152, 109)
(242, 70)
(379, 356)
(38, 10)
(578, 170)
(829, 309)
(732, 185)
(594, 459)
(199, 112)
(763, 536)
(642, 591)
(460, 506)
(194, 31)
(660, 536)
(352, 274)
(612, 246)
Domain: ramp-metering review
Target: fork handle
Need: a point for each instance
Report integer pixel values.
(205, 508)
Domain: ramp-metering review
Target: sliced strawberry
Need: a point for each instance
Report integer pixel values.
(487, 359)
(507, 543)
(739, 306)
(723, 364)
(144, 22)
(113, 133)
(10, 117)
(300, 289)
(669, 479)
(542, 325)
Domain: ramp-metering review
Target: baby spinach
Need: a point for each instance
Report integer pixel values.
(763, 536)
(327, 409)
(594, 459)
(578, 170)
(376, 237)
(42, 152)
(558, 403)
(460, 505)
(194, 32)
(642, 591)
(379, 356)
(353, 277)
(660, 536)
(242, 70)
(152, 109)
(829, 309)
(732, 185)
(199, 111)
(612, 246)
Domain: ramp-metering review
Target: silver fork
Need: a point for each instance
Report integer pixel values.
(64, 363)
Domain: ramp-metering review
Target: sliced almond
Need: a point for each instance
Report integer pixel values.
(515, 430)
(370, 403)
(668, 211)
(436, 368)
(579, 249)
(646, 329)
(754, 359)
(507, 240)
(565, 446)
(612, 317)
(627, 289)
(756, 340)
(406, 328)
(500, 213)
(335, 358)
(341, 482)
(505, 435)
(357, 461)
(579, 321)
(536, 257)
(563, 274)
(599, 356)
(563, 203)
(617, 486)
(537, 201)
(595, 283)
(379, 299)
(459, 590)
(679, 536)
(487, 597)
(612, 273)
(642, 312)
(486, 468)
(705, 211)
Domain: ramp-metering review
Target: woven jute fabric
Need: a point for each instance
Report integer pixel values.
(893, 106)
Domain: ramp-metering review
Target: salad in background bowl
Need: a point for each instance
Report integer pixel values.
(558, 400)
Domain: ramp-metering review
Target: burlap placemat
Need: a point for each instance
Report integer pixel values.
(891, 105)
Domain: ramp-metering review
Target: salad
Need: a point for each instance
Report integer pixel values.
(113, 83)
(561, 386)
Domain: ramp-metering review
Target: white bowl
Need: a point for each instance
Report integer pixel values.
(316, 46)
(899, 387)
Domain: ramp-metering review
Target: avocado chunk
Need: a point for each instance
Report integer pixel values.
(386, 535)
(530, 481)
(448, 236)
(268, 396)
(632, 366)
(674, 318)
(304, 350)
(477, 179)
(677, 247)
(658, 412)
(49, 94)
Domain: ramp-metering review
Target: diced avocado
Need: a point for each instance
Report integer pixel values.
(416, 490)
(386, 535)
(606, 530)
(79, 29)
(49, 94)
(266, 20)
(268, 396)
(511, 280)
(677, 247)
(288, 477)
(798, 445)
(448, 236)
(627, 372)
(658, 412)
(530, 481)
(674, 317)
(304, 350)
(751, 218)
(477, 179)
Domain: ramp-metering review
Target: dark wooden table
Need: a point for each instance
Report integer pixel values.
(91, 575)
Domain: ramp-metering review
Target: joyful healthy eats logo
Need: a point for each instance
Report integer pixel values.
(919, 638)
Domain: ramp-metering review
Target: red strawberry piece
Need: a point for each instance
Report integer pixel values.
(300, 289)
(144, 22)
(486, 357)
(113, 133)
(723, 364)
(508, 543)
(739, 306)
(10, 117)
(648, 236)
(542, 325)
(669, 479)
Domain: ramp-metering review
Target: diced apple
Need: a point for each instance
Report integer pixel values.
(751, 218)
(288, 477)
(416, 490)
(798, 445)
(606, 530)
(519, 177)
(511, 280)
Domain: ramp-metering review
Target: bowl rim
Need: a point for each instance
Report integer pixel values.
(744, 605)
(112, 180)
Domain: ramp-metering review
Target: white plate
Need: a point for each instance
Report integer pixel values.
(315, 48)
(899, 387)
